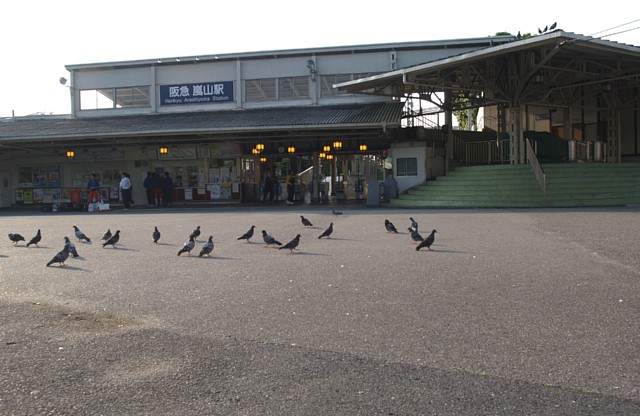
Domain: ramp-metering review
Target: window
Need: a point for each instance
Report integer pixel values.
(293, 87)
(260, 89)
(407, 166)
(109, 98)
(327, 81)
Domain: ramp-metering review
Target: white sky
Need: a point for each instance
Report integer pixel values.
(40, 37)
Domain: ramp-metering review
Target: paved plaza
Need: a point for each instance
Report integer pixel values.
(514, 312)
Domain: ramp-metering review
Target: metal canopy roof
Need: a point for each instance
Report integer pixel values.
(556, 68)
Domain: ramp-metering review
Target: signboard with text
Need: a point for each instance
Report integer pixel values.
(201, 93)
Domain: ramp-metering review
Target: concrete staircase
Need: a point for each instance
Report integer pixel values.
(514, 186)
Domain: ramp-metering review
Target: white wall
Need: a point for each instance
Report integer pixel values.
(409, 149)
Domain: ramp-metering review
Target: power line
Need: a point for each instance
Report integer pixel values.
(616, 27)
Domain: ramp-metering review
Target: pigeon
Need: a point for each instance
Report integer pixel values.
(388, 225)
(72, 247)
(269, 239)
(195, 233)
(415, 236)
(207, 248)
(107, 234)
(553, 26)
(113, 240)
(305, 221)
(35, 240)
(327, 232)
(427, 241)
(80, 235)
(61, 257)
(156, 234)
(188, 246)
(247, 236)
(336, 212)
(16, 238)
(414, 223)
(293, 244)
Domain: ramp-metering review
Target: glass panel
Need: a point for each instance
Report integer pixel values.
(293, 87)
(260, 89)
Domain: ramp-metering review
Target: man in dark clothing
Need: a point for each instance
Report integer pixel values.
(148, 186)
(268, 186)
(167, 188)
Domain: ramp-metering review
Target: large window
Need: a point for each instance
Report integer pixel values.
(327, 81)
(260, 89)
(293, 87)
(406, 166)
(109, 98)
(285, 88)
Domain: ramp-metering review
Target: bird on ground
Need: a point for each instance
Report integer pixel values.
(35, 240)
(195, 233)
(61, 257)
(305, 221)
(415, 236)
(268, 239)
(72, 247)
(16, 238)
(414, 223)
(293, 244)
(188, 246)
(388, 225)
(207, 248)
(427, 241)
(336, 212)
(247, 236)
(80, 235)
(327, 232)
(156, 234)
(113, 240)
(107, 235)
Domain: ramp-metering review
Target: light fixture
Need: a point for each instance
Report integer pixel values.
(329, 157)
(326, 148)
(71, 154)
(263, 159)
(322, 155)
(255, 151)
(260, 147)
(337, 145)
(291, 149)
(164, 150)
(363, 147)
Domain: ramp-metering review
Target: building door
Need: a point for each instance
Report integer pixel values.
(5, 190)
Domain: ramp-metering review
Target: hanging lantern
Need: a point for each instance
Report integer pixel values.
(164, 150)
(255, 151)
(322, 155)
(263, 159)
(363, 147)
(329, 157)
(291, 149)
(326, 148)
(260, 147)
(337, 145)
(71, 154)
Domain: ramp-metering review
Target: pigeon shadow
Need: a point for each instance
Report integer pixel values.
(166, 244)
(119, 248)
(304, 253)
(336, 238)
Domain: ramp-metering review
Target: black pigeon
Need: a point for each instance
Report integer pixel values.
(72, 247)
(414, 223)
(188, 246)
(415, 236)
(16, 238)
(35, 240)
(427, 241)
(113, 240)
(107, 234)
(305, 221)
(553, 26)
(247, 236)
(195, 233)
(207, 248)
(156, 234)
(269, 239)
(80, 235)
(293, 244)
(539, 31)
(336, 212)
(61, 257)
(327, 232)
(388, 225)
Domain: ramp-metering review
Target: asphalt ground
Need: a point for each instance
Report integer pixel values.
(514, 312)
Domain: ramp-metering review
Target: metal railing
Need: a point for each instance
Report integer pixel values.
(486, 152)
(537, 170)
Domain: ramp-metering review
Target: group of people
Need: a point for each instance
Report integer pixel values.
(159, 189)
(270, 187)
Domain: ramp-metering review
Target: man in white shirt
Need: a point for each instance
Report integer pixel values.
(125, 190)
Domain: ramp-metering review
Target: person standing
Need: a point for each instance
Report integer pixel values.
(268, 187)
(148, 187)
(157, 188)
(93, 186)
(167, 188)
(290, 181)
(125, 190)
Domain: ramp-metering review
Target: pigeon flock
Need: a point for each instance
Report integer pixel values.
(113, 239)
